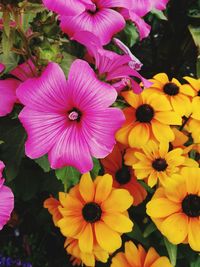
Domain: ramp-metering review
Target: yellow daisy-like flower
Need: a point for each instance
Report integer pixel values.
(95, 212)
(137, 257)
(177, 94)
(149, 117)
(157, 162)
(193, 84)
(123, 176)
(194, 121)
(175, 208)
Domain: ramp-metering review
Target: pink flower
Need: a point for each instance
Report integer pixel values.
(111, 66)
(98, 16)
(70, 120)
(9, 86)
(2, 67)
(6, 200)
(138, 9)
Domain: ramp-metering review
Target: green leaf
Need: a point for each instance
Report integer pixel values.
(12, 150)
(158, 14)
(96, 168)
(6, 23)
(66, 62)
(172, 251)
(196, 263)
(148, 188)
(149, 230)
(131, 34)
(44, 163)
(136, 234)
(69, 176)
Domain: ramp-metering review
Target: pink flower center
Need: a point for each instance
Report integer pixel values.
(74, 115)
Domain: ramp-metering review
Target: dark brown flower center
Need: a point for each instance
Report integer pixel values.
(171, 89)
(144, 113)
(198, 93)
(91, 212)
(191, 205)
(123, 175)
(159, 164)
(74, 115)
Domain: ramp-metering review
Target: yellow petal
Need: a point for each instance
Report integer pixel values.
(175, 228)
(162, 133)
(162, 207)
(86, 187)
(131, 98)
(120, 261)
(118, 222)
(194, 82)
(118, 201)
(152, 179)
(151, 257)
(123, 133)
(168, 117)
(132, 254)
(70, 203)
(191, 176)
(159, 103)
(180, 138)
(194, 233)
(88, 259)
(195, 108)
(71, 226)
(103, 188)
(161, 77)
(139, 135)
(187, 89)
(86, 239)
(107, 239)
(162, 261)
(181, 105)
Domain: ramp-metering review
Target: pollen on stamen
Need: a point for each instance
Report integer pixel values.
(73, 116)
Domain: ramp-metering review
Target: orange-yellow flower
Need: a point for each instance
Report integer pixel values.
(193, 84)
(175, 208)
(123, 176)
(95, 211)
(177, 94)
(137, 257)
(149, 117)
(155, 162)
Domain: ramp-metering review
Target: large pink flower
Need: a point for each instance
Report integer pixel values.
(70, 120)
(113, 67)
(96, 16)
(9, 86)
(6, 200)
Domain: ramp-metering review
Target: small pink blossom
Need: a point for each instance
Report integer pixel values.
(9, 86)
(70, 120)
(113, 67)
(6, 200)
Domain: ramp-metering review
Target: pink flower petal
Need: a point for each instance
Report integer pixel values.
(104, 24)
(8, 95)
(24, 71)
(6, 205)
(159, 4)
(2, 67)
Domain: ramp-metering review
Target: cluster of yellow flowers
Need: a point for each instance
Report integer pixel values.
(155, 144)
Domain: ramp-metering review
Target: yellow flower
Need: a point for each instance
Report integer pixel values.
(175, 208)
(194, 121)
(194, 84)
(123, 176)
(177, 94)
(52, 205)
(138, 257)
(95, 211)
(157, 162)
(78, 257)
(149, 117)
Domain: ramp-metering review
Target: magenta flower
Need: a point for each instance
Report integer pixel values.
(6, 200)
(9, 86)
(111, 66)
(97, 16)
(70, 120)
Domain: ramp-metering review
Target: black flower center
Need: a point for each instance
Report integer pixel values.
(159, 164)
(91, 212)
(191, 205)
(171, 89)
(144, 113)
(123, 175)
(74, 115)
